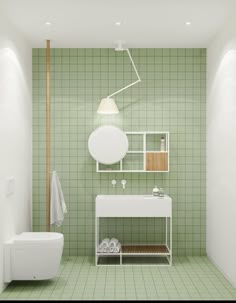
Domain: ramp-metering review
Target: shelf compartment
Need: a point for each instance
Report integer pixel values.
(135, 141)
(133, 162)
(109, 168)
(156, 249)
(153, 141)
(145, 260)
(104, 260)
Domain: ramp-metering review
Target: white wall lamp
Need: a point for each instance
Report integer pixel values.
(108, 105)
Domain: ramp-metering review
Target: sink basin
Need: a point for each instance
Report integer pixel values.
(133, 206)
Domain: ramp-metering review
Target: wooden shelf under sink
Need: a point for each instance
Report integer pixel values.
(136, 254)
(145, 249)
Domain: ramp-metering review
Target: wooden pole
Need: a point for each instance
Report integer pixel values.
(48, 134)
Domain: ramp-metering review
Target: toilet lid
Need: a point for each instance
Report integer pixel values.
(37, 236)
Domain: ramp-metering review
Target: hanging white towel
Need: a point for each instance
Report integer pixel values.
(58, 205)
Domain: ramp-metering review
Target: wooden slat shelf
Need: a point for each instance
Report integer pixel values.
(145, 249)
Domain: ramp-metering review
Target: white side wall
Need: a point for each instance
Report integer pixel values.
(221, 151)
(15, 134)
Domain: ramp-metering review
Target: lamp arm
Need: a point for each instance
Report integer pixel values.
(137, 74)
(131, 59)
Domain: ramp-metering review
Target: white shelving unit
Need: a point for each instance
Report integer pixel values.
(147, 250)
(152, 158)
(139, 250)
(128, 206)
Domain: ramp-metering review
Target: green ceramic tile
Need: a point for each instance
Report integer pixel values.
(171, 97)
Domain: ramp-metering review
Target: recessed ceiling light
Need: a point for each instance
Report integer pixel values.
(187, 23)
(48, 23)
(118, 23)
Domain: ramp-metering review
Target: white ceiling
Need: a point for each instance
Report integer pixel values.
(144, 23)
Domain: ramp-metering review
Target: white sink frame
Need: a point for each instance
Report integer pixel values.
(108, 206)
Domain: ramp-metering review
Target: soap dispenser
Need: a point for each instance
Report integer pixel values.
(155, 191)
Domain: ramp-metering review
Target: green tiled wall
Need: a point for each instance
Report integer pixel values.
(171, 97)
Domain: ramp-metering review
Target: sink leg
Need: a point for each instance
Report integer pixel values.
(166, 231)
(170, 240)
(96, 239)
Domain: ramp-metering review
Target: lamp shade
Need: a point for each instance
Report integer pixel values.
(107, 107)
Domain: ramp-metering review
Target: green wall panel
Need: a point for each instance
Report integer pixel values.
(171, 97)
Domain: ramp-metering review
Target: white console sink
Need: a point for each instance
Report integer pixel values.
(133, 206)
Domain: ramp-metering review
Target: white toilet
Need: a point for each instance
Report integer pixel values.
(33, 256)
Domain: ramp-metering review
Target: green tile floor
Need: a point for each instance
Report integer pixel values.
(78, 279)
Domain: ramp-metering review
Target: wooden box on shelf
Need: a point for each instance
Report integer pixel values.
(157, 161)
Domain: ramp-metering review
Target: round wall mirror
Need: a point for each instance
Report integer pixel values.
(108, 144)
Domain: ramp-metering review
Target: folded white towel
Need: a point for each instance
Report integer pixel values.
(117, 248)
(107, 249)
(58, 205)
(109, 246)
(113, 243)
(104, 245)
